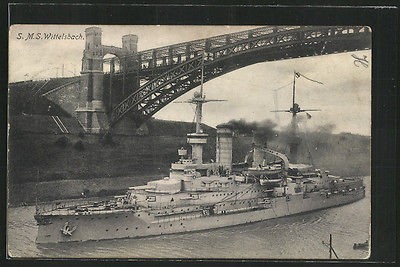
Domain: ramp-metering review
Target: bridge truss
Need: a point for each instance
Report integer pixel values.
(174, 70)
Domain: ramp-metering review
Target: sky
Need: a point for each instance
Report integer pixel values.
(344, 98)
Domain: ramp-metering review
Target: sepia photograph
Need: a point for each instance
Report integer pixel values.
(189, 142)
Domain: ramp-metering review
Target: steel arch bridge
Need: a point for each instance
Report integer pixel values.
(172, 71)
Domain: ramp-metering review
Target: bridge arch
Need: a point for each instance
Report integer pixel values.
(111, 63)
(275, 45)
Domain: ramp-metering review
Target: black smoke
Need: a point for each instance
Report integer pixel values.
(262, 131)
(326, 128)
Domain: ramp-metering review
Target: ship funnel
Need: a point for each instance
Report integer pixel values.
(224, 146)
(258, 156)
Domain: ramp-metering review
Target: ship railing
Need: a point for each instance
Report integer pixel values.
(165, 206)
(69, 204)
(199, 214)
(88, 212)
(170, 217)
(178, 218)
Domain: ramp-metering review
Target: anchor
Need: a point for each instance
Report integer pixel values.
(67, 230)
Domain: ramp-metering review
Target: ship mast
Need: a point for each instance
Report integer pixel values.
(200, 99)
(198, 139)
(294, 91)
(295, 138)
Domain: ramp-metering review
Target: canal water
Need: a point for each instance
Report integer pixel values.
(294, 237)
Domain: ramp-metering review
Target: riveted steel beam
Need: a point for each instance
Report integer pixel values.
(227, 53)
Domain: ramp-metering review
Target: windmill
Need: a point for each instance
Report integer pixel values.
(294, 110)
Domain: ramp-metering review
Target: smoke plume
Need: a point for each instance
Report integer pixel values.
(326, 128)
(264, 130)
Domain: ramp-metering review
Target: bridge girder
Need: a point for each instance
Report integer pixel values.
(181, 78)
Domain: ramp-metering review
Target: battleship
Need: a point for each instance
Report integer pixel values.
(201, 195)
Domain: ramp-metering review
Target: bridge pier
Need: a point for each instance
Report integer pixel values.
(93, 116)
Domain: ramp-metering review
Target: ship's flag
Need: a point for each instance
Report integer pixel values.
(298, 74)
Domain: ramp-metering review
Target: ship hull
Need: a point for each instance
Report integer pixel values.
(133, 224)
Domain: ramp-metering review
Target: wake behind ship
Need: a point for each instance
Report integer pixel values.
(200, 196)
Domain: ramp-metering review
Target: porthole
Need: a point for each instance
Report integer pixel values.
(136, 228)
(126, 216)
(148, 214)
(106, 230)
(116, 217)
(116, 230)
(126, 229)
(159, 225)
(170, 225)
(181, 223)
(138, 215)
(148, 227)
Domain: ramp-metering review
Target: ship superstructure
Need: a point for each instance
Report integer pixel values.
(201, 195)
